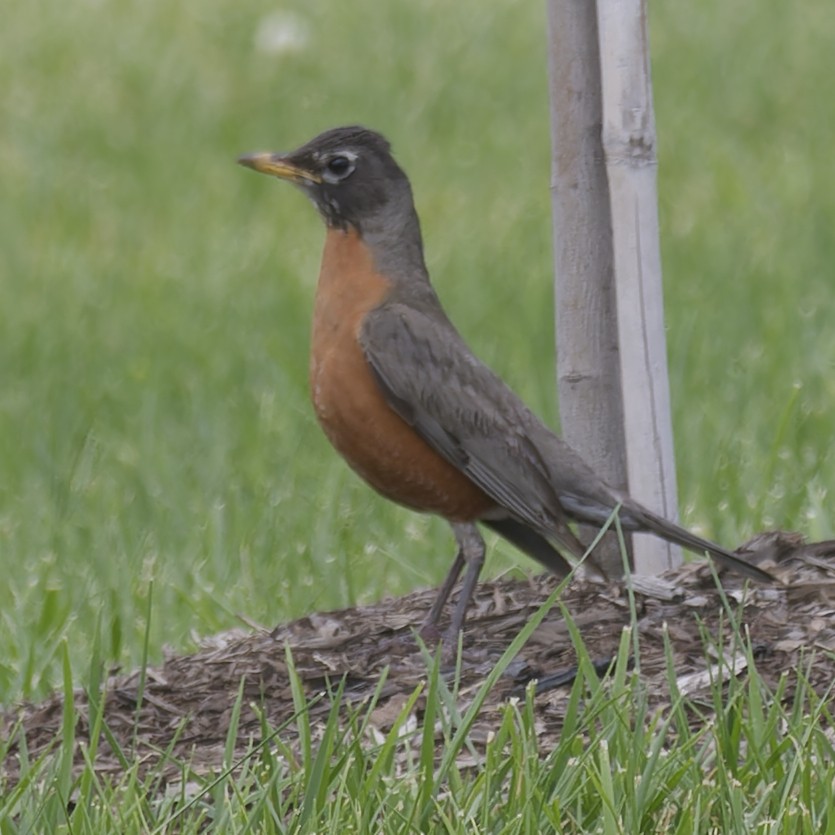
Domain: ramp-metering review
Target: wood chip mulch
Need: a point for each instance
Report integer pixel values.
(190, 698)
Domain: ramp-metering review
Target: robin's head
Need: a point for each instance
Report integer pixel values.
(349, 174)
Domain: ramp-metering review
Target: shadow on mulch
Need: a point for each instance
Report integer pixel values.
(192, 696)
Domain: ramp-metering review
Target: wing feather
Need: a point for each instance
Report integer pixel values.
(463, 410)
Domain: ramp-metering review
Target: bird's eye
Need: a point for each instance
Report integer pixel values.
(339, 166)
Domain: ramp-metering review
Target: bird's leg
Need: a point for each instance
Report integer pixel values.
(429, 628)
(471, 551)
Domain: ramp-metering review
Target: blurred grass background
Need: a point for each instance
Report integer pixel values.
(155, 298)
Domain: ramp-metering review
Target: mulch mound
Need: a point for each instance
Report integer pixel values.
(191, 697)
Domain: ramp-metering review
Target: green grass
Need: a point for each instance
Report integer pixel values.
(742, 761)
(154, 297)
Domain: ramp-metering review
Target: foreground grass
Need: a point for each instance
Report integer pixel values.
(741, 760)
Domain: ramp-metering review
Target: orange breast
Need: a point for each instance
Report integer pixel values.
(375, 441)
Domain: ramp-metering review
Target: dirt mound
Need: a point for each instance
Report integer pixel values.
(190, 698)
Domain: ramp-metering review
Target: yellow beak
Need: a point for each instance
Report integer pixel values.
(278, 166)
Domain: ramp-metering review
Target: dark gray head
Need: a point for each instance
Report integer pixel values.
(348, 173)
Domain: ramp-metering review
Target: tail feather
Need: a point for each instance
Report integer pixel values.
(634, 517)
(646, 520)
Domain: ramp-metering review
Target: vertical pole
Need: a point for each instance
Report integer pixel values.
(629, 143)
(588, 363)
(611, 355)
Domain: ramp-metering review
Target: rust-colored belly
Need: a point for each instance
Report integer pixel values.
(376, 442)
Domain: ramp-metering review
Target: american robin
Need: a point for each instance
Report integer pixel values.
(407, 404)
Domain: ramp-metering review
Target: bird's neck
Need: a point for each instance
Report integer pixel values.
(395, 243)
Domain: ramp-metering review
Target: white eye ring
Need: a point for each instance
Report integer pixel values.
(339, 167)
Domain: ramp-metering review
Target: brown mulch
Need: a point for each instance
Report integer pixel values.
(190, 698)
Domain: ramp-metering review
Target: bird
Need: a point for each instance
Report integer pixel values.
(400, 395)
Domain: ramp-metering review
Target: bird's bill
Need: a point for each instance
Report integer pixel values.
(278, 166)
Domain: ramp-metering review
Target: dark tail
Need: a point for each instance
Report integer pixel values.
(636, 517)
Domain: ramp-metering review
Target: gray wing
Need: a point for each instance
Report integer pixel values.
(464, 411)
